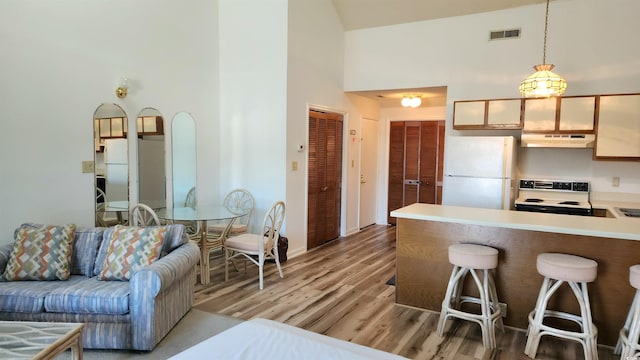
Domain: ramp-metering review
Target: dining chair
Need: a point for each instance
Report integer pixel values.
(192, 227)
(143, 215)
(101, 220)
(236, 201)
(257, 247)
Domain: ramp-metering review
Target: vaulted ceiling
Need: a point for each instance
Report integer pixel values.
(360, 14)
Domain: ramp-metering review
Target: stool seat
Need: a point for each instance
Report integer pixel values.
(473, 256)
(567, 267)
(634, 276)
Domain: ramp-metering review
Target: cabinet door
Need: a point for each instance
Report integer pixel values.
(618, 133)
(504, 113)
(577, 114)
(468, 113)
(540, 115)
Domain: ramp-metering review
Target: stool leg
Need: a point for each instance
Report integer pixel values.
(533, 339)
(589, 342)
(627, 323)
(457, 287)
(630, 346)
(446, 303)
(487, 338)
(495, 302)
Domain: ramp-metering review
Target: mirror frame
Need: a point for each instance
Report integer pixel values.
(105, 122)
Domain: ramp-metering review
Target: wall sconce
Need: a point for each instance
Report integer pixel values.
(411, 101)
(123, 88)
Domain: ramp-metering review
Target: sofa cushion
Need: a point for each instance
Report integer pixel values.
(103, 250)
(85, 250)
(28, 296)
(175, 237)
(131, 248)
(41, 253)
(89, 296)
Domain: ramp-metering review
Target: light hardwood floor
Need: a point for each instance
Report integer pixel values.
(340, 290)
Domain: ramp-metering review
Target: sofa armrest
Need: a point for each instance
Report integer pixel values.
(159, 275)
(160, 294)
(5, 253)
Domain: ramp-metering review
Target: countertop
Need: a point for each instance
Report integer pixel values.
(619, 228)
(612, 207)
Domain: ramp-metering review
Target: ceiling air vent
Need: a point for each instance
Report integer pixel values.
(504, 34)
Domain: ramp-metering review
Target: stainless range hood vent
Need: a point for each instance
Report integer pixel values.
(558, 140)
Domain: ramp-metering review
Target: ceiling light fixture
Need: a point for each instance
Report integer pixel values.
(543, 83)
(411, 101)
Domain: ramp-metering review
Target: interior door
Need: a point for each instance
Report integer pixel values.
(325, 177)
(416, 150)
(368, 172)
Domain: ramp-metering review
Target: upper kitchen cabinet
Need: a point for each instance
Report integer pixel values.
(577, 114)
(150, 125)
(574, 115)
(618, 135)
(487, 114)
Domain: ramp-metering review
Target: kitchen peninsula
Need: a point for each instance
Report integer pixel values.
(425, 231)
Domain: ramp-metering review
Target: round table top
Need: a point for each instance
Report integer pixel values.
(123, 205)
(200, 213)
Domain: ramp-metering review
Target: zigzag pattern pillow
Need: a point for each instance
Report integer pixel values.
(41, 252)
(131, 248)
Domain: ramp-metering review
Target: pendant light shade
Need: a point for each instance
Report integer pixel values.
(544, 82)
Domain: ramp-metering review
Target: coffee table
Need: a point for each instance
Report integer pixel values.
(39, 340)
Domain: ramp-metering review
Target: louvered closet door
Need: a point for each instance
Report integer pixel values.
(325, 177)
(416, 150)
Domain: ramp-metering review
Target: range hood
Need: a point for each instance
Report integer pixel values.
(558, 140)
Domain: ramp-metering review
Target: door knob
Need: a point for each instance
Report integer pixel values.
(324, 188)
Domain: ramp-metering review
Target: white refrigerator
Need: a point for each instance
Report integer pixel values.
(479, 171)
(116, 169)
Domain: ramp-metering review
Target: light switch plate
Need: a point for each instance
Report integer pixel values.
(615, 181)
(87, 166)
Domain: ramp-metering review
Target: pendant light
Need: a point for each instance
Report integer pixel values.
(543, 83)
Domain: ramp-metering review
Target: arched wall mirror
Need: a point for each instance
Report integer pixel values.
(111, 164)
(151, 158)
(183, 155)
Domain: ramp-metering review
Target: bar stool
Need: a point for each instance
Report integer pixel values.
(477, 260)
(630, 334)
(576, 271)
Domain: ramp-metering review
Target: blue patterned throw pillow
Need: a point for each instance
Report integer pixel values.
(131, 248)
(41, 252)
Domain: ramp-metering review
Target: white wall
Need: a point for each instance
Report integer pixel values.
(314, 78)
(61, 60)
(253, 97)
(590, 41)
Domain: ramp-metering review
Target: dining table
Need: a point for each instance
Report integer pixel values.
(122, 206)
(206, 242)
(117, 206)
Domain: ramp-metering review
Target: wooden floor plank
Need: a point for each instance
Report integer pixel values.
(339, 289)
